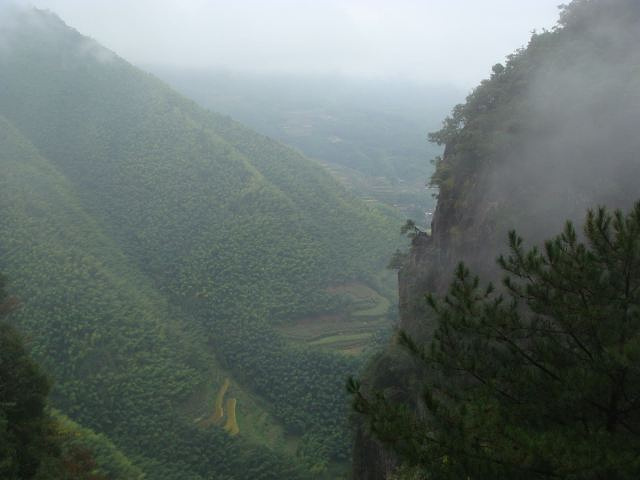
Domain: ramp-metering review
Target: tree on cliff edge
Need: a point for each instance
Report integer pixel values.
(538, 379)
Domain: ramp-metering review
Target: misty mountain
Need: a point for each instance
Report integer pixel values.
(370, 133)
(550, 134)
(157, 248)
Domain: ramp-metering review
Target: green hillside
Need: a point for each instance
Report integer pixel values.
(123, 363)
(157, 246)
(36, 443)
(107, 462)
(369, 134)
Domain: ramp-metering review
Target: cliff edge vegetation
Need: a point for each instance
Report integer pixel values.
(551, 134)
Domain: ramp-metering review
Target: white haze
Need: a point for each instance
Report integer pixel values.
(430, 41)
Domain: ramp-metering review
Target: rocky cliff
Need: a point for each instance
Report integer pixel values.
(551, 133)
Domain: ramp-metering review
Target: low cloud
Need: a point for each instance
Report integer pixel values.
(436, 41)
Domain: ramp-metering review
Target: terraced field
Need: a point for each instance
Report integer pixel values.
(219, 412)
(348, 332)
(231, 425)
(409, 199)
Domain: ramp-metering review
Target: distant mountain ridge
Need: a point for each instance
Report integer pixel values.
(156, 246)
(370, 133)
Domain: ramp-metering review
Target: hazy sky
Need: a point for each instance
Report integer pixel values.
(435, 41)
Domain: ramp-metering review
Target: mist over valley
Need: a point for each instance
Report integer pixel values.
(349, 240)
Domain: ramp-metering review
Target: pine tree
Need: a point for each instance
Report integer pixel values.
(539, 378)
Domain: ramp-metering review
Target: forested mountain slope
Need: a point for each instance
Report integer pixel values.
(122, 362)
(369, 133)
(551, 133)
(36, 443)
(156, 246)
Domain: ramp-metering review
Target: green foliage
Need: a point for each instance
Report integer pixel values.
(23, 421)
(565, 90)
(35, 444)
(409, 228)
(85, 454)
(156, 246)
(538, 380)
(370, 133)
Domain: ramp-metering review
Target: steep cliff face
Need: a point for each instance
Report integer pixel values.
(551, 133)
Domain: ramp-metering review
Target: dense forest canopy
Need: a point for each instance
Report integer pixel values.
(187, 296)
(370, 133)
(36, 443)
(158, 250)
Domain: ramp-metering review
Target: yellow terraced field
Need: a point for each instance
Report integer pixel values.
(232, 424)
(219, 412)
(349, 331)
